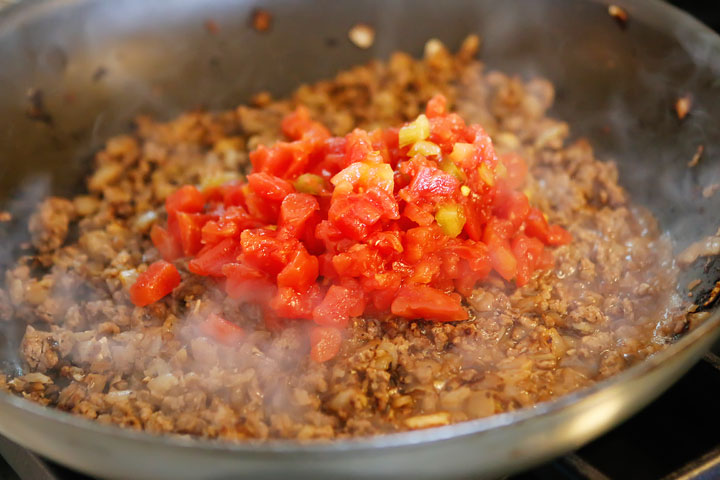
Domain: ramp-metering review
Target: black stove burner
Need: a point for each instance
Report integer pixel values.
(675, 438)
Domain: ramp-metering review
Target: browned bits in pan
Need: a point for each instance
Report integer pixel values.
(261, 20)
(99, 73)
(696, 158)
(619, 14)
(683, 106)
(261, 99)
(712, 296)
(212, 27)
(693, 284)
(362, 35)
(36, 110)
(469, 48)
(710, 190)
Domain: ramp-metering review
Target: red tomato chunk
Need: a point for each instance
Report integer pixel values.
(325, 229)
(221, 330)
(158, 280)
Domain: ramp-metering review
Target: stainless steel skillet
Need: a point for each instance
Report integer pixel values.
(615, 85)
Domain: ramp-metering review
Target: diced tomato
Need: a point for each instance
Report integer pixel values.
(275, 161)
(430, 185)
(503, 261)
(239, 216)
(247, 283)
(295, 124)
(512, 206)
(354, 215)
(477, 214)
(325, 266)
(558, 236)
(420, 214)
(289, 302)
(234, 194)
(528, 253)
(422, 240)
(308, 236)
(262, 249)
(447, 130)
(382, 299)
(158, 280)
(466, 280)
(221, 330)
(357, 261)
(426, 269)
(516, 170)
(186, 199)
(546, 260)
(168, 246)
(211, 260)
(386, 243)
(436, 106)
(269, 186)
(328, 234)
(357, 147)
(266, 212)
(190, 228)
(536, 225)
(338, 305)
(427, 303)
(324, 343)
(476, 254)
(300, 272)
(329, 228)
(295, 211)
(215, 231)
(498, 231)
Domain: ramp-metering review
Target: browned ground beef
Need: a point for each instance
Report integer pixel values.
(609, 302)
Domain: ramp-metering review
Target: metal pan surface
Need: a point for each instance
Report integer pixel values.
(605, 75)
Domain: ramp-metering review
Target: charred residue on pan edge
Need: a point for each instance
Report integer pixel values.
(36, 111)
(99, 73)
(619, 14)
(683, 106)
(697, 156)
(261, 20)
(212, 26)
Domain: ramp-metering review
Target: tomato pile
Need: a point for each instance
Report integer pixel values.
(403, 220)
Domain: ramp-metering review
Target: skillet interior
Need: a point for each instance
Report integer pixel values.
(615, 86)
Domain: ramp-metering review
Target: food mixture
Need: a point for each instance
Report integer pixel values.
(408, 245)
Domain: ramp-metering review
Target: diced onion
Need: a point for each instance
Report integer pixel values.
(461, 151)
(425, 148)
(448, 166)
(451, 219)
(414, 132)
(309, 183)
(486, 174)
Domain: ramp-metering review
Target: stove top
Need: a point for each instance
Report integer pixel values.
(675, 438)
